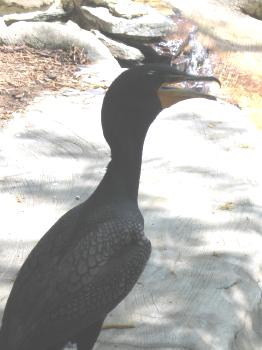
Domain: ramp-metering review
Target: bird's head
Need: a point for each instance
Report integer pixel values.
(137, 96)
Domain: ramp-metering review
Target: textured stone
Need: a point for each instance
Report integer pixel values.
(119, 50)
(150, 26)
(252, 8)
(26, 3)
(58, 11)
(123, 8)
(55, 36)
(50, 15)
(201, 287)
(20, 6)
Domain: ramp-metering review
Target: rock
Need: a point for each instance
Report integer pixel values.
(128, 9)
(105, 3)
(207, 262)
(57, 36)
(53, 14)
(124, 8)
(72, 25)
(119, 50)
(5, 37)
(26, 4)
(68, 5)
(20, 6)
(252, 8)
(145, 28)
(171, 49)
(58, 11)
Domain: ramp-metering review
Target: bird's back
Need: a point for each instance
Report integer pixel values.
(79, 271)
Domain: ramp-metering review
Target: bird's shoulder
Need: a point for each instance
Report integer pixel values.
(61, 269)
(78, 243)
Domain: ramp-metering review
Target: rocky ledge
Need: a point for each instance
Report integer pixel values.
(109, 30)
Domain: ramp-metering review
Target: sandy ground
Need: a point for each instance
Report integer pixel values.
(200, 195)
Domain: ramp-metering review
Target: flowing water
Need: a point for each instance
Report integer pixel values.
(186, 53)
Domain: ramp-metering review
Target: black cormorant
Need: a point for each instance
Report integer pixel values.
(93, 255)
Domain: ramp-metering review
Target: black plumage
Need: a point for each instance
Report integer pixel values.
(93, 255)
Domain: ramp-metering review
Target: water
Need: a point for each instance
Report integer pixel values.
(197, 62)
(186, 53)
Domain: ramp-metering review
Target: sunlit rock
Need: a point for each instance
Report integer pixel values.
(58, 36)
(146, 27)
(124, 8)
(119, 50)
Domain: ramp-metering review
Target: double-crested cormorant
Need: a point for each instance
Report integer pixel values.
(93, 255)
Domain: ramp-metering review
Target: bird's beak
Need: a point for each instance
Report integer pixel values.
(170, 95)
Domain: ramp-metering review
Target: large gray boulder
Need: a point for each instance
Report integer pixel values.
(147, 27)
(56, 36)
(200, 193)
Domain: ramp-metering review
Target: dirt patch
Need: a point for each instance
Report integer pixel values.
(25, 72)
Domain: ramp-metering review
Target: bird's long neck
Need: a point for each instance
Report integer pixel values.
(121, 181)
